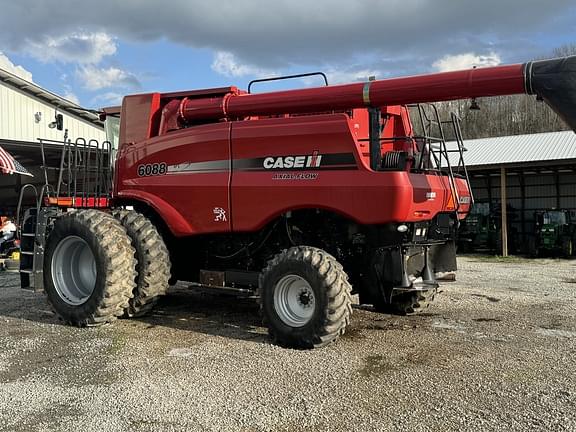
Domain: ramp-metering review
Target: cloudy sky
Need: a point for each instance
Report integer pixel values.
(93, 52)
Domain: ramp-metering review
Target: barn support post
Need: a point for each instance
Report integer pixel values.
(503, 202)
(525, 243)
(557, 188)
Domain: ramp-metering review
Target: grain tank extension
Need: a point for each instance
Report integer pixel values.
(298, 198)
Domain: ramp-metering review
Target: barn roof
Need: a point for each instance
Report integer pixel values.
(548, 148)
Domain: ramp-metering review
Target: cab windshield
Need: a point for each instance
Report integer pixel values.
(554, 217)
(112, 127)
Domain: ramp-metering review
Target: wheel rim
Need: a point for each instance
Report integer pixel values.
(74, 270)
(294, 300)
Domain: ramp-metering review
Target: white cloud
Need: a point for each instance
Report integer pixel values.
(71, 97)
(95, 78)
(226, 63)
(258, 38)
(108, 99)
(78, 47)
(296, 32)
(19, 71)
(339, 76)
(466, 61)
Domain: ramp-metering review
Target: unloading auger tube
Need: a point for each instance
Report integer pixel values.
(552, 80)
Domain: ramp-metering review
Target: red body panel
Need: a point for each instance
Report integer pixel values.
(252, 197)
(363, 195)
(139, 120)
(185, 200)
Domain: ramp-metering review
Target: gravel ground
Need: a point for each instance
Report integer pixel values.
(495, 351)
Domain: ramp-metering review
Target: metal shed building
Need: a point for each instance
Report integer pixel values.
(26, 111)
(533, 172)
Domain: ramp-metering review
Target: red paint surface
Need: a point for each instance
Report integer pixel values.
(491, 81)
(185, 201)
(253, 198)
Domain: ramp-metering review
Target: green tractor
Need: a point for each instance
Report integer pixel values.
(476, 232)
(555, 232)
(481, 230)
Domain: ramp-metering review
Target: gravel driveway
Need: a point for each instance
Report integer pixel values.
(495, 351)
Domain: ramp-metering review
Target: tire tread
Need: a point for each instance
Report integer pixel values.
(153, 262)
(335, 282)
(120, 265)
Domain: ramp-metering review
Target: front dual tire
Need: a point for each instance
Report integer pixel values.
(89, 268)
(100, 266)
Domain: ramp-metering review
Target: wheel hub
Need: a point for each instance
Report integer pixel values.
(73, 269)
(294, 300)
(305, 298)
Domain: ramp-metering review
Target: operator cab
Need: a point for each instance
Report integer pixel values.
(111, 119)
(553, 217)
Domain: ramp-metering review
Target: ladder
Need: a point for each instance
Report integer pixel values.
(32, 234)
(84, 179)
(435, 153)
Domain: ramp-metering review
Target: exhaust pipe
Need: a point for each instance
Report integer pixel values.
(555, 82)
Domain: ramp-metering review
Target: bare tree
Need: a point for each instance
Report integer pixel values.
(507, 115)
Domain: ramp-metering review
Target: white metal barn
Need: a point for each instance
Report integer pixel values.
(29, 113)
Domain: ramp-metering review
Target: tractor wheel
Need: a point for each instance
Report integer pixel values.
(567, 248)
(305, 298)
(409, 303)
(89, 268)
(152, 262)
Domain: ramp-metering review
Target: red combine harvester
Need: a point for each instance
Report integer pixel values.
(299, 198)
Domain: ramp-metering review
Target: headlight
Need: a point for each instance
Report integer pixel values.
(402, 228)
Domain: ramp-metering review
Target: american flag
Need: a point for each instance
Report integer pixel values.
(9, 165)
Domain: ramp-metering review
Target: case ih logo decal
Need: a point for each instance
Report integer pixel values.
(289, 162)
(310, 162)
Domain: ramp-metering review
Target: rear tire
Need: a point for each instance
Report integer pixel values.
(89, 268)
(152, 262)
(567, 248)
(305, 298)
(410, 303)
(406, 303)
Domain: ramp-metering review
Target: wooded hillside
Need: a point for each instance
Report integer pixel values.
(508, 115)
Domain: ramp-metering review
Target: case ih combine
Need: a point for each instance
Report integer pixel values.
(298, 197)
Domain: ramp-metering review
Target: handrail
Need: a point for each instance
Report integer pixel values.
(285, 77)
(84, 170)
(41, 196)
(19, 208)
(460, 144)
